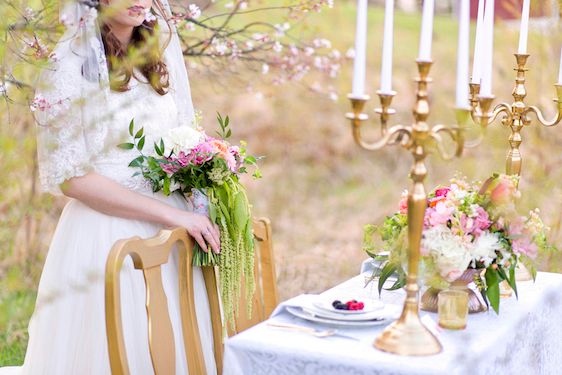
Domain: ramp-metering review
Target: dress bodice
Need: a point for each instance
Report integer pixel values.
(154, 112)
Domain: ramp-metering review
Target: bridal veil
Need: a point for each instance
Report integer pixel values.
(72, 93)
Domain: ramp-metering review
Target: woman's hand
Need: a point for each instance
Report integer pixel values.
(200, 228)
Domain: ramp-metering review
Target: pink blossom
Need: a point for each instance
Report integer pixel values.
(442, 192)
(441, 214)
(169, 168)
(202, 153)
(230, 161)
(482, 220)
(184, 159)
(521, 240)
(525, 246)
(403, 206)
(476, 225)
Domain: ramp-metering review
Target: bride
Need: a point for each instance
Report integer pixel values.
(83, 106)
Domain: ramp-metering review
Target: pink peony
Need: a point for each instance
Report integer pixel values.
(441, 214)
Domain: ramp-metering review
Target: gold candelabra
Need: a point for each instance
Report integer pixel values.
(515, 115)
(408, 335)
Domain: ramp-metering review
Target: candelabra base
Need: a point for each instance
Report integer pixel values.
(408, 337)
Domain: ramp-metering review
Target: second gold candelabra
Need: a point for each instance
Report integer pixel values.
(515, 115)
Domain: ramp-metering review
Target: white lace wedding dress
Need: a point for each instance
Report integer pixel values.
(67, 331)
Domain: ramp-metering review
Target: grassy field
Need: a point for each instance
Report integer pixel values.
(319, 189)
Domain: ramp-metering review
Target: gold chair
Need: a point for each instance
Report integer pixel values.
(265, 298)
(149, 255)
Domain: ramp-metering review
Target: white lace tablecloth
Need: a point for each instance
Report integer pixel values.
(525, 339)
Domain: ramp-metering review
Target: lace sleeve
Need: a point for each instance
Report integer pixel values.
(59, 111)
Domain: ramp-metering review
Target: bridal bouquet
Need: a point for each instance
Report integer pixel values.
(466, 226)
(206, 170)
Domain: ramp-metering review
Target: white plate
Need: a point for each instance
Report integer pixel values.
(312, 310)
(299, 313)
(326, 305)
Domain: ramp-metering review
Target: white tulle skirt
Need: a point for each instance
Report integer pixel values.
(67, 330)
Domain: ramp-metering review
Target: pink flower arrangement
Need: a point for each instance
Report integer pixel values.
(469, 226)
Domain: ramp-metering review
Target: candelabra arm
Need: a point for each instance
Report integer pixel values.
(396, 134)
(456, 135)
(539, 114)
(506, 110)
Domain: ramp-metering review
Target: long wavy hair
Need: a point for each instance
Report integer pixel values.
(149, 62)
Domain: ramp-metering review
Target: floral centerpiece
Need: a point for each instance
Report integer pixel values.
(206, 171)
(467, 226)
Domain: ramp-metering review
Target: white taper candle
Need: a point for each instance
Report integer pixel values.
(426, 30)
(477, 59)
(488, 54)
(386, 66)
(359, 61)
(524, 30)
(462, 54)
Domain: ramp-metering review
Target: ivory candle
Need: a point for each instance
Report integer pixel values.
(386, 67)
(426, 31)
(477, 58)
(524, 30)
(488, 54)
(359, 61)
(462, 55)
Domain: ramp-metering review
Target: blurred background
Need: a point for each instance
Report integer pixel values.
(318, 188)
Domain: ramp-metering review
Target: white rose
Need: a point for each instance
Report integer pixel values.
(182, 138)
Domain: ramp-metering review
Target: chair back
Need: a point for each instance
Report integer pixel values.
(149, 255)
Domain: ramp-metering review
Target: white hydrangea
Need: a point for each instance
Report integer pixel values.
(449, 252)
(182, 138)
(484, 247)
